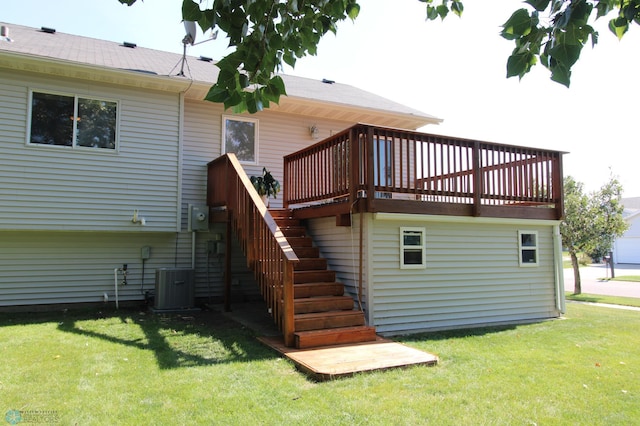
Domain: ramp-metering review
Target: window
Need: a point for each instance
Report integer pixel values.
(413, 253)
(240, 136)
(528, 248)
(72, 121)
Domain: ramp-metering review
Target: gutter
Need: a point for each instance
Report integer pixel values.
(100, 74)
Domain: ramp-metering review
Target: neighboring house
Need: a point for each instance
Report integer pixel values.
(428, 232)
(626, 249)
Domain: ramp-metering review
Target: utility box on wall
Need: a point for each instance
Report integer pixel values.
(175, 289)
(198, 219)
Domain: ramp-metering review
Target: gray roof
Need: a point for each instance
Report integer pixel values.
(631, 207)
(111, 55)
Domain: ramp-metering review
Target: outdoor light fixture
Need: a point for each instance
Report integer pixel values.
(314, 132)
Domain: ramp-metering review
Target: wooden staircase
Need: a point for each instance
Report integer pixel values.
(323, 315)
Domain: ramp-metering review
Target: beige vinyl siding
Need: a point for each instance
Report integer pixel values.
(472, 278)
(340, 246)
(280, 134)
(56, 188)
(73, 267)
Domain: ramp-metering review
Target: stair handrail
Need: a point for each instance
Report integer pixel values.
(268, 252)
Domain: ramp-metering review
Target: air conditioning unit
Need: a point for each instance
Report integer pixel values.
(175, 289)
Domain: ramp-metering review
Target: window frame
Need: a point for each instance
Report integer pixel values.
(256, 133)
(74, 145)
(422, 247)
(522, 247)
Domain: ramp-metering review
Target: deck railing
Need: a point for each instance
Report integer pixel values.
(380, 165)
(268, 253)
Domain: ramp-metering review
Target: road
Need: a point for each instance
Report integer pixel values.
(593, 278)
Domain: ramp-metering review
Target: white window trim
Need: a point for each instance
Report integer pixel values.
(534, 247)
(75, 112)
(422, 246)
(256, 135)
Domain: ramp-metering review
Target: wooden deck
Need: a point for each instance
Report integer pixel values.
(402, 171)
(332, 362)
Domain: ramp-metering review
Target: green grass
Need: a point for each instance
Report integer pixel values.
(599, 298)
(628, 278)
(130, 368)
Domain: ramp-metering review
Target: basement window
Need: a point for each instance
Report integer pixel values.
(528, 248)
(72, 121)
(413, 248)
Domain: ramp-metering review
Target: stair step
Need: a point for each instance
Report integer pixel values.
(317, 289)
(325, 276)
(311, 264)
(279, 213)
(294, 231)
(335, 336)
(333, 319)
(307, 252)
(300, 241)
(322, 304)
(286, 222)
(323, 314)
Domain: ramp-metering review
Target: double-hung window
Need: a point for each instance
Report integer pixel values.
(413, 248)
(73, 121)
(528, 248)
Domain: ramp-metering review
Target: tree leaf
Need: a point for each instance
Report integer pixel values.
(561, 74)
(566, 54)
(518, 25)
(277, 83)
(432, 13)
(457, 7)
(244, 81)
(353, 10)
(443, 11)
(216, 94)
(519, 64)
(190, 11)
(619, 26)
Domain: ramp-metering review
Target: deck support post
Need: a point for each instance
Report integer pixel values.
(288, 320)
(227, 265)
(558, 186)
(369, 171)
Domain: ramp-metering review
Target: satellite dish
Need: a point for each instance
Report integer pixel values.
(190, 30)
(190, 38)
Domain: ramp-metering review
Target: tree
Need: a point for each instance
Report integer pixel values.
(267, 34)
(592, 221)
(557, 40)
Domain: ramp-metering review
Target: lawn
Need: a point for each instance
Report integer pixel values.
(128, 367)
(599, 298)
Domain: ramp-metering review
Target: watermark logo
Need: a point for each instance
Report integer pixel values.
(14, 417)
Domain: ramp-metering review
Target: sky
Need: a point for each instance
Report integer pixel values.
(454, 70)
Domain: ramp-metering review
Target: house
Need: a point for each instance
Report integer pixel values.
(111, 158)
(626, 249)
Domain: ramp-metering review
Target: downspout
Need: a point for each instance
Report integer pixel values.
(180, 168)
(559, 270)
